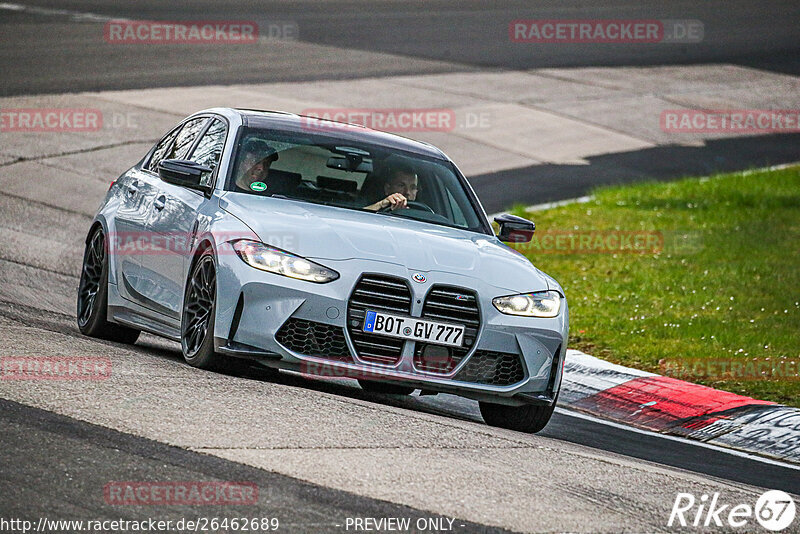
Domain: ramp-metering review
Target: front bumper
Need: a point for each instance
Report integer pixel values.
(311, 328)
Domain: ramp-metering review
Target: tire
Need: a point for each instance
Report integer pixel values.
(92, 305)
(528, 418)
(199, 310)
(387, 389)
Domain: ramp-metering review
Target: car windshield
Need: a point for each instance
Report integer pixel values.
(325, 170)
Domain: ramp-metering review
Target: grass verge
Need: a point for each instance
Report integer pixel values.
(697, 279)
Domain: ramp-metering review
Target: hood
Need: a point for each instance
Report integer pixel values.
(326, 233)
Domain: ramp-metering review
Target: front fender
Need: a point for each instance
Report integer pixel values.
(217, 231)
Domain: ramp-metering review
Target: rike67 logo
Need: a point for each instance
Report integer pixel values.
(774, 510)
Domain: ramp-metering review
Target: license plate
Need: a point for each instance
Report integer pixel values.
(414, 329)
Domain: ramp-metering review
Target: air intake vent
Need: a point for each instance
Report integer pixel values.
(378, 293)
(452, 305)
(314, 339)
(555, 368)
(492, 368)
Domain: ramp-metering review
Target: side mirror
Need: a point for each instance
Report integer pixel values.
(514, 229)
(184, 173)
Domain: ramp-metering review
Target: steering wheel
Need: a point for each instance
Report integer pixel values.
(413, 204)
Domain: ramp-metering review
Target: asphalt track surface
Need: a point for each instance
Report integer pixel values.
(53, 465)
(358, 38)
(52, 46)
(88, 456)
(553, 182)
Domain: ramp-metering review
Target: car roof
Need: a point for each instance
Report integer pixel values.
(353, 132)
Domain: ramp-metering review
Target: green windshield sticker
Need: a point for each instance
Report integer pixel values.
(258, 186)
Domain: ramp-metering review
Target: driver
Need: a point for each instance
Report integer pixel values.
(401, 187)
(255, 165)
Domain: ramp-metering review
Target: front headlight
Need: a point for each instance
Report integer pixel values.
(278, 261)
(539, 304)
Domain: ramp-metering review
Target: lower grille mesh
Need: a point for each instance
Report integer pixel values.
(314, 339)
(492, 368)
(320, 340)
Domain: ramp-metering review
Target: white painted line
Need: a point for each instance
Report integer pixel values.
(773, 168)
(547, 205)
(732, 452)
(74, 15)
(79, 16)
(550, 205)
(578, 359)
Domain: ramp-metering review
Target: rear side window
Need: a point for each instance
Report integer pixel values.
(209, 149)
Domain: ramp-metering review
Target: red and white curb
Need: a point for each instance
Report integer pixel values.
(669, 406)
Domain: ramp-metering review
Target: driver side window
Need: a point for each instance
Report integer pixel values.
(177, 143)
(209, 149)
(161, 150)
(186, 138)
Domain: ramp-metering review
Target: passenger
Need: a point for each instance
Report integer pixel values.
(255, 165)
(400, 187)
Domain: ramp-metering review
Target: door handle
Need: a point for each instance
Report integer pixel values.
(159, 203)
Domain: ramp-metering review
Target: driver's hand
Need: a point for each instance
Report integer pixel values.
(394, 201)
